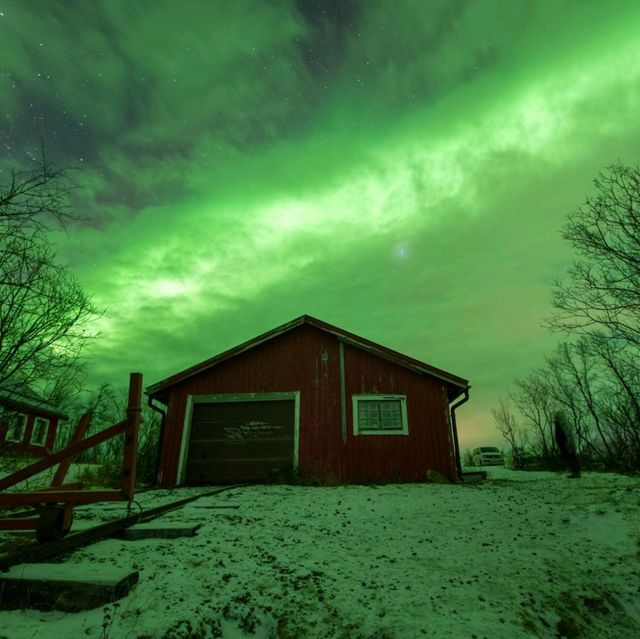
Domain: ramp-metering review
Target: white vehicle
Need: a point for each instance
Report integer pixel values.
(487, 456)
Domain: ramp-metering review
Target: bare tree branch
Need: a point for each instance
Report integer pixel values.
(44, 313)
(603, 287)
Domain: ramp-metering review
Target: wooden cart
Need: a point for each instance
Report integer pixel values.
(54, 505)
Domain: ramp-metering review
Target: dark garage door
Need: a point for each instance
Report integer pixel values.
(240, 441)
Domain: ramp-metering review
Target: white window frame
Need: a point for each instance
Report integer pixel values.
(45, 431)
(13, 423)
(403, 408)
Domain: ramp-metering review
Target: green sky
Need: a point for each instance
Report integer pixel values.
(400, 168)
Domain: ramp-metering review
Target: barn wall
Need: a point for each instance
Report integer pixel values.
(404, 457)
(308, 360)
(292, 362)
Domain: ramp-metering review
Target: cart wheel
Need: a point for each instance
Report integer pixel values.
(51, 523)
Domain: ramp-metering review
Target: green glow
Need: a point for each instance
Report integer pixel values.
(408, 187)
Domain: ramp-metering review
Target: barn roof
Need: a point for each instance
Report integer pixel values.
(456, 385)
(27, 400)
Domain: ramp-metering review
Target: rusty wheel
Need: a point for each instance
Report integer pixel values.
(54, 523)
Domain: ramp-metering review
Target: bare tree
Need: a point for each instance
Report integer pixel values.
(603, 288)
(619, 405)
(44, 313)
(66, 388)
(35, 200)
(595, 383)
(594, 380)
(537, 405)
(583, 385)
(511, 430)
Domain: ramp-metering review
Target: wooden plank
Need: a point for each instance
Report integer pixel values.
(159, 530)
(30, 523)
(72, 485)
(54, 496)
(66, 587)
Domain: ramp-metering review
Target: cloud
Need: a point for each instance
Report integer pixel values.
(194, 253)
(245, 163)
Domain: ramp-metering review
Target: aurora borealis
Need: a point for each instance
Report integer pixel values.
(400, 169)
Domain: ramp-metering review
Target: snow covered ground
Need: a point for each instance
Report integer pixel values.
(522, 555)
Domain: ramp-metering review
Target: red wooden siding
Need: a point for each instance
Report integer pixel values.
(405, 457)
(25, 445)
(307, 360)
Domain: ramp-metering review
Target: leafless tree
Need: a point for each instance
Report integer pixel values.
(536, 404)
(44, 313)
(603, 288)
(35, 200)
(595, 383)
(510, 428)
(583, 386)
(64, 391)
(594, 379)
(619, 400)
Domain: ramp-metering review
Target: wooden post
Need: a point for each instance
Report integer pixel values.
(134, 408)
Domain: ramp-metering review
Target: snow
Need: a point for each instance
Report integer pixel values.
(523, 554)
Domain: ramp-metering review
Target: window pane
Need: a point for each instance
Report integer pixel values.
(380, 414)
(40, 428)
(391, 414)
(16, 429)
(368, 415)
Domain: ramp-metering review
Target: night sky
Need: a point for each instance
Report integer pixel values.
(399, 168)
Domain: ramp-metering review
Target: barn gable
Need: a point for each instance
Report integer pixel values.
(456, 385)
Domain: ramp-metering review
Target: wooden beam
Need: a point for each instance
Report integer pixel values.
(30, 523)
(51, 496)
(61, 455)
(72, 485)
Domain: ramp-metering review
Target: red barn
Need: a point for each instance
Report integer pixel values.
(308, 399)
(28, 423)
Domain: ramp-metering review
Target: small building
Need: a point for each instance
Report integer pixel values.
(28, 424)
(308, 399)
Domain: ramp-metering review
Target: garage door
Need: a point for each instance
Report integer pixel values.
(240, 441)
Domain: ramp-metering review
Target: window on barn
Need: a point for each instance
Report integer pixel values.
(380, 415)
(39, 433)
(17, 425)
